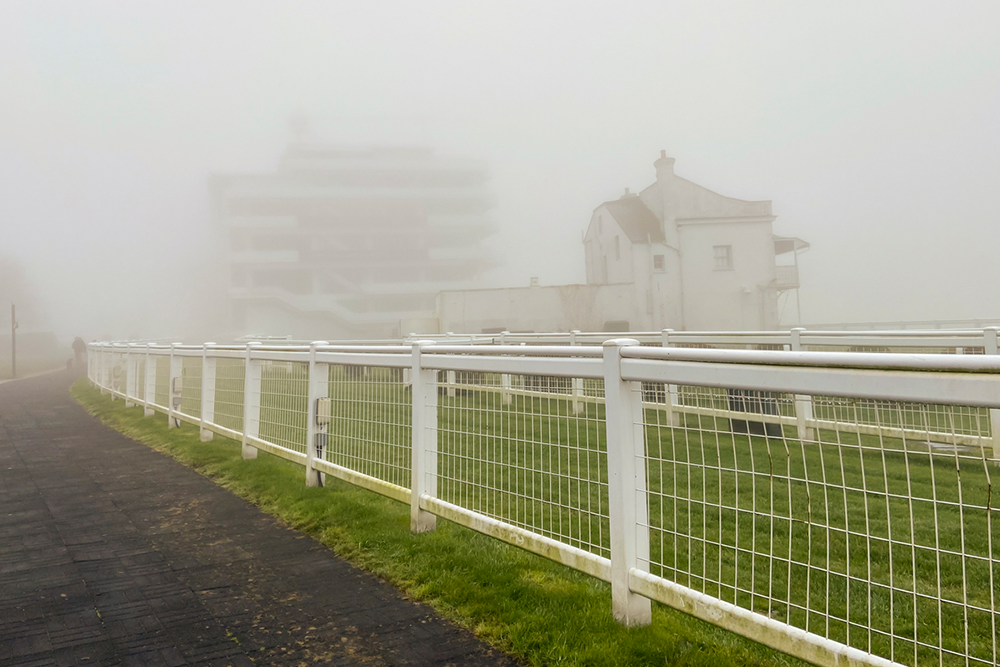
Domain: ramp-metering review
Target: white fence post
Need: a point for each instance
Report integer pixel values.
(423, 452)
(110, 381)
(207, 391)
(627, 505)
(407, 380)
(319, 387)
(990, 346)
(576, 384)
(149, 393)
(99, 368)
(130, 367)
(803, 404)
(251, 401)
(670, 397)
(174, 391)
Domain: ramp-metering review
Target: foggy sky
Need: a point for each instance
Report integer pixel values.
(872, 126)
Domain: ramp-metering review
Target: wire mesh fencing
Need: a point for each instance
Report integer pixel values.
(371, 418)
(230, 379)
(191, 369)
(119, 372)
(857, 518)
(529, 461)
(161, 396)
(284, 395)
(139, 387)
(884, 544)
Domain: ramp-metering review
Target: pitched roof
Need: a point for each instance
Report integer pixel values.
(636, 220)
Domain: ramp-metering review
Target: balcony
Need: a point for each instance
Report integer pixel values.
(786, 277)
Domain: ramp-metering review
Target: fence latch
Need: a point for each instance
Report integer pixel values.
(175, 392)
(324, 414)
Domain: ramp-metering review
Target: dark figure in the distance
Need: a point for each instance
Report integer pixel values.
(79, 350)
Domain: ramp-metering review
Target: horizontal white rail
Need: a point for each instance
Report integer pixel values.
(952, 340)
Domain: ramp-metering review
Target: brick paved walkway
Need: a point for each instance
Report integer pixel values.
(113, 554)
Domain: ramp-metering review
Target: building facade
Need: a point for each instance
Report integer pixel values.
(676, 255)
(350, 243)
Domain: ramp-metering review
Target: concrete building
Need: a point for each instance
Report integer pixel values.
(349, 243)
(676, 255)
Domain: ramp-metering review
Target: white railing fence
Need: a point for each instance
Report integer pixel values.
(835, 506)
(949, 341)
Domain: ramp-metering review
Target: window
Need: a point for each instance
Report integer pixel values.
(600, 226)
(604, 269)
(658, 263)
(618, 248)
(723, 257)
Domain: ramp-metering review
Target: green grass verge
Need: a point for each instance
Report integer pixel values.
(538, 611)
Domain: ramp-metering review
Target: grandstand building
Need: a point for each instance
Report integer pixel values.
(351, 243)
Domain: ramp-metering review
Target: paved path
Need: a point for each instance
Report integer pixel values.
(113, 554)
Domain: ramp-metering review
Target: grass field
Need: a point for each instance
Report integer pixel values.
(885, 544)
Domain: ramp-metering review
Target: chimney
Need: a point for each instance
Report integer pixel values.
(667, 185)
(534, 281)
(664, 166)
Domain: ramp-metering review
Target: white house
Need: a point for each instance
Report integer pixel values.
(676, 255)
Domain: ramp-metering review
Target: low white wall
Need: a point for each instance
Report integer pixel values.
(557, 308)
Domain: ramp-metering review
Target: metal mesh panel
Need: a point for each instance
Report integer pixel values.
(729, 400)
(526, 460)
(593, 388)
(283, 402)
(883, 543)
(118, 372)
(230, 378)
(191, 386)
(541, 384)
(140, 379)
(162, 395)
(370, 430)
(948, 422)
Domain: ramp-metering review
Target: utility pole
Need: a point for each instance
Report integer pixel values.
(13, 341)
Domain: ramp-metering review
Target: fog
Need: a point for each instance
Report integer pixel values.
(872, 127)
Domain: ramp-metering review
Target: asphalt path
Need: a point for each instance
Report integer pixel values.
(114, 554)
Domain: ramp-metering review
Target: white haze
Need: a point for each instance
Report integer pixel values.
(872, 126)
